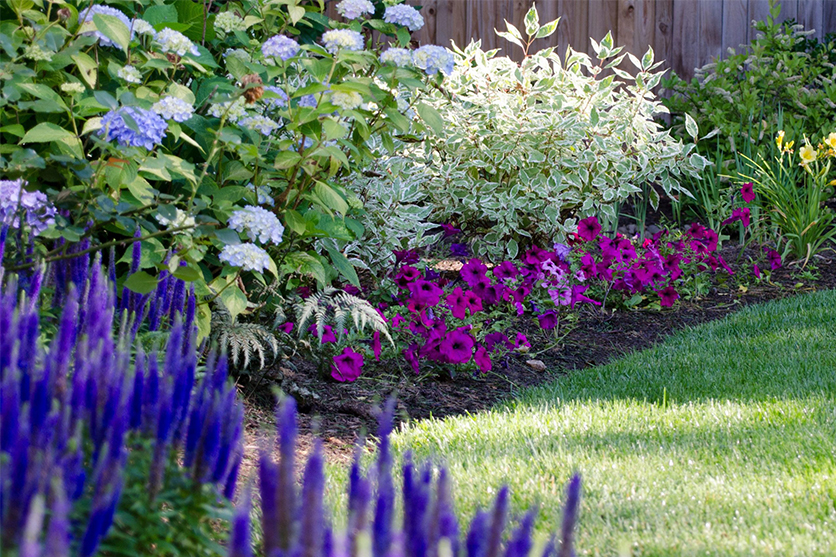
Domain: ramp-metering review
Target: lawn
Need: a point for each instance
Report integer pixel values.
(721, 440)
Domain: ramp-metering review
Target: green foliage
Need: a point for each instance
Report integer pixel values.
(242, 342)
(62, 78)
(334, 306)
(782, 70)
(530, 147)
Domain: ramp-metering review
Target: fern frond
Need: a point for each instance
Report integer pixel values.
(341, 306)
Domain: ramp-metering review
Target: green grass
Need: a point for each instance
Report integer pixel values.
(720, 441)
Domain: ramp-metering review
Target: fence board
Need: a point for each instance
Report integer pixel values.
(626, 33)
(828, 17)
(450, 23)
(758, 11)
(427, 34)
(736, 24)
(789, 10)
(603, 17)
(686, 31)
(810, 14)
(711, 31)
(663, 45)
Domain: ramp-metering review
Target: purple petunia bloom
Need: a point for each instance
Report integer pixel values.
(668, 296)
(547, 320)
(457, 347)
(483, 359)
(589, 228)
(747, 192)
(774, 258)
(459, 250)
(347, 366)
(505, 271)
(740, 214)
(473, 271)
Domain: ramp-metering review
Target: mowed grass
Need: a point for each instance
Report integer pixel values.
(720, 441)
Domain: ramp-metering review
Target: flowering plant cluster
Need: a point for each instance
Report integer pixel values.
(220, 134)
(529, 146)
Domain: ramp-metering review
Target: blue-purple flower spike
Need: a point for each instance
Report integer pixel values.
(570, 516)
(286, 500)
(239, 540)
(384, 510)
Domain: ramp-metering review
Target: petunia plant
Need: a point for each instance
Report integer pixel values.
(215, 135)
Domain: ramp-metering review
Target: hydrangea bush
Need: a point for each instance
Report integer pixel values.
(530, 148)
(220, 134)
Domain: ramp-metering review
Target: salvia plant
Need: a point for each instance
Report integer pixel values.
(531, 147)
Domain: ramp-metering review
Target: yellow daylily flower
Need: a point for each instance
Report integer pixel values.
(807, 154)
(830, 140)
(779, 140)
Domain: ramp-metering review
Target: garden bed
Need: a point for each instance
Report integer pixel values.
(341, 412)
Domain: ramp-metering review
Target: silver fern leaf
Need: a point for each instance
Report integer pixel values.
(339, 306)
(242, 341)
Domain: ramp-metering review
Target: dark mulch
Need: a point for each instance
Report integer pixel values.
(341, 412)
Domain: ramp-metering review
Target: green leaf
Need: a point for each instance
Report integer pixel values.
(305, 264)
(286, 159)
(404, 38)
(532, 21)
(548, 29)
(431, 116)
(513, 248)
(691, 127)
(510, 38)
(296, 13)
(141, 283)
(647, 59)
(330, 197)
(295, 221)
(333, 129)
(188, 274)
(46, 132)
(343, 265)
(156, 15)
(234, 300)
(112, 28)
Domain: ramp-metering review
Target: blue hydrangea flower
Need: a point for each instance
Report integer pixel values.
(260, 224)
(104, 10)
(172, 108)
(150, 127)
(249, 257)
(346, 100)
(130, 74)
(342, 39)
(281, 47)
(401, 57)
(404, 15)
(308, 101)
(274, 102)
(38, 212)
(352, 9)
(263, 194)
(175, 42)
(433, 59)
(259, 123)
(142, 27)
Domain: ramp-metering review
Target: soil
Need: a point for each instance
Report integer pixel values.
(342, 413)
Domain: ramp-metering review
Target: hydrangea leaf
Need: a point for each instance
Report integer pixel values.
(141, 283)
(113, 29)
(46, 132)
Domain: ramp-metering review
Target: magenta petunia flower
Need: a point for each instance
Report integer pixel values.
(578, 295)
(425, 292)
(756, 270)
(482, 359)
(589, 228)
(407, 256)
(457, 303)
(327, 334)
(473, 271)
(457, 347)
(459, 250)
(505, 271)
(450, 230)
(376, 347)
(411, 356)
(547, 320)
(473, 301)
(286, 328)
(774, 258)
(493, 294)
(588, 266)
(406, 276)
(521, 342)
(351, 289)
(496, 339)
(535, 256)
(561, 296)
(747, 192)
(740, 214)
(347, 366)
(668, 296)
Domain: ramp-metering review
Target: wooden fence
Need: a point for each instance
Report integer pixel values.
(685, 33)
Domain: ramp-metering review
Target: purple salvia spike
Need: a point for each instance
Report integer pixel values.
(4, 232)
(232, 477)
(359, 496)
(151, 395)
(477, 536)
(268, 475)
(9, 411)
(178, 299)
(101, 517)
(521, 543)
(499, 514)
(73, 467)
(158, 301)
(29, 546)
(286, 507)
(62, 345)
(570, 516)
(239, 540)
(136, 397)
(443, 523)
(549, 550)
(35, 283)
(384, 509)
(313, 519)
(111, 270)
(210, 440)
(232, 418)
(58, 535)
(190, 311)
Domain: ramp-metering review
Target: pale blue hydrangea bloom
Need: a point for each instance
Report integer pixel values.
(229, 22)
(342, 39)
(347, 101)
(181, 219)
(308, 101)
(150, 127)
(404, 15)
(130, 74)
(259, 224)
(87, 16)
(352, 9)
(262, 193)
(433, 59)
(38, 212)
(172, 108)
(259, 123)
(142, 27)
(249, 257)
(400, 57)
(234, 110)
(281, 47)
(275, 102)
(176, 42)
